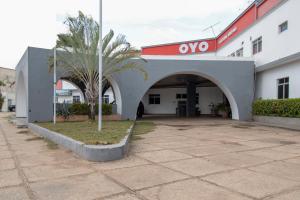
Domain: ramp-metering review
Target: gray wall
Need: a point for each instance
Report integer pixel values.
(235, 78)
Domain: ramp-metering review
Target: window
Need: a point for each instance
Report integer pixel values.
(283, 27)
(181, 96)
(232, 55)
(154, 98)
(105, 99)
(240, 52)
(283, 88)
(76, 99)
(257, 45)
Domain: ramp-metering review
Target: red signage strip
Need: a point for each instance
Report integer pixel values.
(245, 20)
(190, 47)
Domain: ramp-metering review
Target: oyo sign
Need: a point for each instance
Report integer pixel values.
(193, 47)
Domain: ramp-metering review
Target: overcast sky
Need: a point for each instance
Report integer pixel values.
(145, 22)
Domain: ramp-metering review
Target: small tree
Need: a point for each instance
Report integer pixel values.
(78, 55)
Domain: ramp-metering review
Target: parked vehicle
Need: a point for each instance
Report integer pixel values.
(12, 108)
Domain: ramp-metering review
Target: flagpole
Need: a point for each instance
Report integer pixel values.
(100, 68)
(54, 88)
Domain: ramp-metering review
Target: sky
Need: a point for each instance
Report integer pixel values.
(36, 23)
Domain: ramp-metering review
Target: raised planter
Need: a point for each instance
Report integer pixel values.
(283, 122)
(89, 152)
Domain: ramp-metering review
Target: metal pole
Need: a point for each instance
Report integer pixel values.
(54, 88)
(100, 68)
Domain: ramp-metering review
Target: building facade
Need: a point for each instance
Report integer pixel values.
(8, 91)
(256, 56)
(267, 31)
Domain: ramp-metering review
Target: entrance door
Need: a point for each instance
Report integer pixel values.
(181, 109)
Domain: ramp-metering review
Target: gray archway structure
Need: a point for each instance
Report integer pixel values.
(234, 76)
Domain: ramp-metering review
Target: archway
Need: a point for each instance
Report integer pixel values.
(68, 92)
(117, 94)
(21, 97)
(188, 93)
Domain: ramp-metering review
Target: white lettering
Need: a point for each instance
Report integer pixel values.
(232, 31)
(184, 48)
(203, 46)
(192, 46)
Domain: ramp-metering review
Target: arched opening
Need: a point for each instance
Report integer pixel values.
(21, 97)
(189, 95)
(71, 91)
(68, 92)
(114, 92)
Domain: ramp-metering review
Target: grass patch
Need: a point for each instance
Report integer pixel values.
(142, 127)
(112, 132)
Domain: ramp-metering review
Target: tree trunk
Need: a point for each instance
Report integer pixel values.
(93, 112)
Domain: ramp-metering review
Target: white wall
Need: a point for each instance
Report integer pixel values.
(110, 93)
(275, 45)
(168, 101)
(208, 95)
(266, 81)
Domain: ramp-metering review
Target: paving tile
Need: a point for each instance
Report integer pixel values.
(123, 197)
(45, 172)
(196, 166)
(142, 147)
(175, 145)
(5, 154)
(163, 156)
(204, 150)
(13, 193)
(190, 190)
(45, 158)
(237, 159)
(294, 195)
(3, 148)
(293, 160)
(7, 163)
(130, 161)
(144, 176)
(251, 183)
(9, 178)
(86, 187)
(271, 154)
(289, 149)
(259, 144)
(280, 169)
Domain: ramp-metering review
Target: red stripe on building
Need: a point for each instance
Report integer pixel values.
(244, 21)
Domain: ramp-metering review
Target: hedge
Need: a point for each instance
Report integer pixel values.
(83, 109)
(277, 108)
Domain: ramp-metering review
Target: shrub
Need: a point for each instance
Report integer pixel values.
(277, 108)
(83, 109)
(64, 111)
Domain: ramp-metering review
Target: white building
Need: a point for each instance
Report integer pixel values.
(8, 91)
(267, 32)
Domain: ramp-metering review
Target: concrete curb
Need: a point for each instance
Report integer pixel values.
(98, 153)
(281, 122)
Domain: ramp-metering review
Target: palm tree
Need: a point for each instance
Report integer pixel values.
(78, 56)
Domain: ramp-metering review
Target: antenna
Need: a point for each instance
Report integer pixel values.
(212, 28)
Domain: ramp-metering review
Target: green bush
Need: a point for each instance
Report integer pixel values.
(83, 109)
(278, 108)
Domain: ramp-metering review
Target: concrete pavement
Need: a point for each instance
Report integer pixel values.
(180, 160)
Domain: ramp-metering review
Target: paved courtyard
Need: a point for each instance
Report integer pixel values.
(196, 159)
